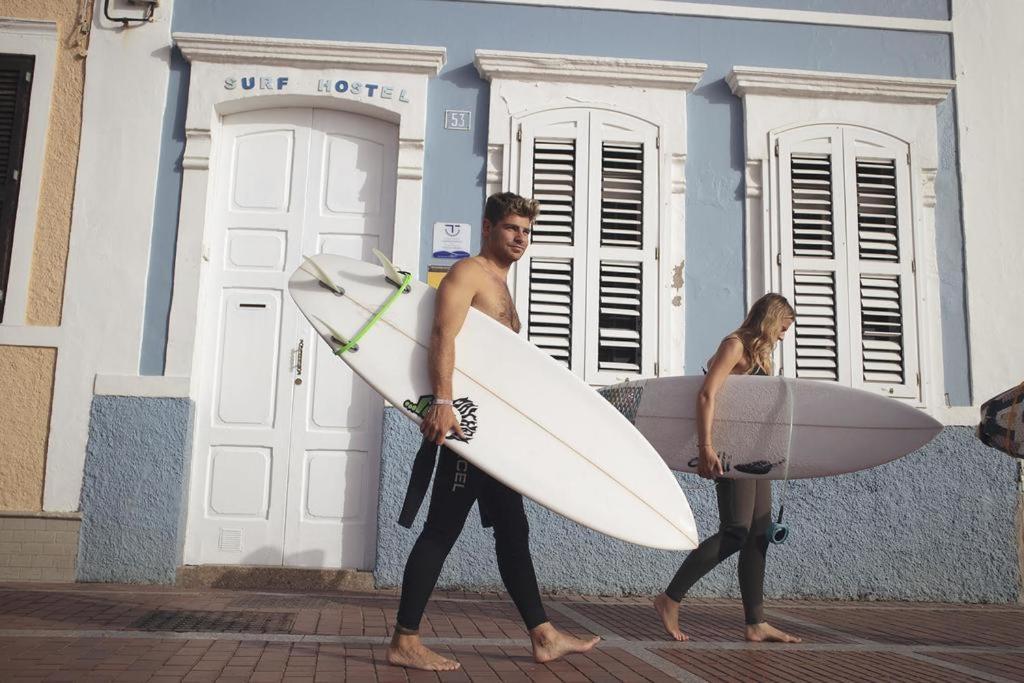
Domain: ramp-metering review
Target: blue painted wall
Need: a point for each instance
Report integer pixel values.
(454, 162)
(165, 220)
(937, 525)
(134, 489)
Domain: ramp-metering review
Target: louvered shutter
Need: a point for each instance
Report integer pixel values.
(548, 280)
(588, 282)
(15, 87)
(622, 241)
(812, 253)
(846, 258)
(881, 264)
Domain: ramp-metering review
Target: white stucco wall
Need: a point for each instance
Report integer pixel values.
(125, 94)
(988, 47)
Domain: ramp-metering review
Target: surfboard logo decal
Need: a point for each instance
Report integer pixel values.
(467, 418)
(464, 406)
(756, 468)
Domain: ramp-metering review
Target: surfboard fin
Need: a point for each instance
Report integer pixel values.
(390, 271)
(337, 336)
(313, 268)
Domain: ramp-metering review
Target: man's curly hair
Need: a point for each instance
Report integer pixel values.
(504, 204)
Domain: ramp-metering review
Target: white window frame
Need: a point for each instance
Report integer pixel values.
(776, 100)
(37, 39)
(524, 84)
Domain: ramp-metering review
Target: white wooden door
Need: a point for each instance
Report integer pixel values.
(285, 465)
(335, 445)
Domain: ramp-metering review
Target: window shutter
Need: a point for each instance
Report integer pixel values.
(877, 219)
(620, 317)
(589, 280)
(552, 162)
(622, 310)
(813, 230)
(816, 337)
(550, 307)
(622, 194)
(15, 88)
(554, 186)
(846, 257)
(811, 253)
(882, 329)
(882, 265)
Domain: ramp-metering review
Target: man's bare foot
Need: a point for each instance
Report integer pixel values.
(766, 633)
(549, 643)
(410, 652)
(668, 610)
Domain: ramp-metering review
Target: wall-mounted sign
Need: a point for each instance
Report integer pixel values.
(451, 240)
(455, 119)
(328, 86)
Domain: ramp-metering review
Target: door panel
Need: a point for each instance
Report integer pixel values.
(240, 463)
(337, 422)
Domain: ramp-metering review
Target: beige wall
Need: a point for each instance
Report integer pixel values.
(26, 373)
(26, 385)
(46, 288)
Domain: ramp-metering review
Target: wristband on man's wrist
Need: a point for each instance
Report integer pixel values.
(443, 402)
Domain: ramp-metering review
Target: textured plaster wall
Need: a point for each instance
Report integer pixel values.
(133, 494)
(50, 252)
(937, 525)
(26, 388)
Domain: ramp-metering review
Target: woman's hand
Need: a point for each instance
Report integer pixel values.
(439, 421)
(708, 464)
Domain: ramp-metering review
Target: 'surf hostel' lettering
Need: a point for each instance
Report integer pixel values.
(324, 85)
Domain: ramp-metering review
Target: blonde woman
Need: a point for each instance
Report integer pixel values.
(744, 505)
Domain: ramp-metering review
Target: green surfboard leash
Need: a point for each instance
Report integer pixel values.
(354, 341)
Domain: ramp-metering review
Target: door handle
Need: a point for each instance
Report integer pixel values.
(298, 364)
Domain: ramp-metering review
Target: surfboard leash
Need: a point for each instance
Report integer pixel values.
(777, 531)
(353, 343)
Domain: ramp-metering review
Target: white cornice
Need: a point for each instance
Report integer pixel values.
(749, 80)
(202, 47)
(529, 66)
(28, 27)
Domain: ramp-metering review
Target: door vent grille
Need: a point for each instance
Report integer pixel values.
(230, 541)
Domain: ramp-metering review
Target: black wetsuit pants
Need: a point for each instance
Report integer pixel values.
(457, 484)
(744, 513)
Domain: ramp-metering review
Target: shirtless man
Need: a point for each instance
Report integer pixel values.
(480, 282)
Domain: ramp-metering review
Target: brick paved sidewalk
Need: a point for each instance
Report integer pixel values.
(99, 632)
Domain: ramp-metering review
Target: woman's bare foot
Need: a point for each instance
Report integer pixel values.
(410, 652)
(549, 643)
(766, 633)
(668, 610)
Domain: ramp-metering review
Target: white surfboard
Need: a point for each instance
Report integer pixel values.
(531, 423)
(822, 428)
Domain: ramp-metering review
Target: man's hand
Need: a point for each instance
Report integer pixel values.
(439, 421)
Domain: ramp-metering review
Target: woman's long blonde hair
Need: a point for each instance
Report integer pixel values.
(760, 329)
